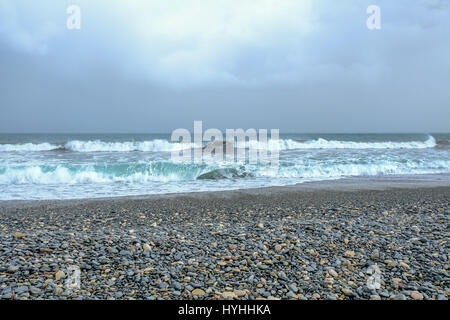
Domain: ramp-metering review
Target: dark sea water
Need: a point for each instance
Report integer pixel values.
(64, 166)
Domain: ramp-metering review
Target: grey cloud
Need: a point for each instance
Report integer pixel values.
(336, 77)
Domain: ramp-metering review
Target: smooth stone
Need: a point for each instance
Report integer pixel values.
(198, 292)
(416, 295)
(228, 295)
(177, 285)
(13, 268)
(58, 291)
(21, 289)
(333, 273)
(178, 256)
(19, 235)
(240, 293)
(293, 287)
(35, 291)
(59, 275)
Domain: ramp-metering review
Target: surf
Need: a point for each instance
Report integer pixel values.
(161, 145)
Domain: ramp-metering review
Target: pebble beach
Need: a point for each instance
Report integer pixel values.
(274, 243)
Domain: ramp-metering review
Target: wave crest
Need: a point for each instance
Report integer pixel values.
(163, 171)
(335, 144)
(160, 145)
(28, 147)
(157, 145)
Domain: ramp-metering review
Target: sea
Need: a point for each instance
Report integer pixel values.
(74, 166)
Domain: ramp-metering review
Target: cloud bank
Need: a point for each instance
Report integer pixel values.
(153, 66)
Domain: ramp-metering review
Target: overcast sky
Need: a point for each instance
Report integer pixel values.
(154, 66)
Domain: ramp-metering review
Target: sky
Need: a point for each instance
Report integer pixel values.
(294, 65)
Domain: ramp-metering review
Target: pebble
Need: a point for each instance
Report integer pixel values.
(35, 291)
(58, 291)
(228, 295)
(240, 293)
(13, 269)
(416, 295)
(293, 287)
(177, 285)
(124, 252)
(59, 275)
(350, 254)
(333, 273)
(21, 289)
(198, 292)
(347, 292)
(178, 256)
(19, 235)
(399, 297)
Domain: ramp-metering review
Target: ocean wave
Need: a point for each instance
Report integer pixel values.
(290, 144)
(160, 145)
(320, 143)
(352, 169)
(63, 175)
(157, 145)
(163, 171)
(158, 171)
(28, 147)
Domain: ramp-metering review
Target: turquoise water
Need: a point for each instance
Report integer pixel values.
(64, 166)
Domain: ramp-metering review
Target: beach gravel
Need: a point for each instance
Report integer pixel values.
(292, 244)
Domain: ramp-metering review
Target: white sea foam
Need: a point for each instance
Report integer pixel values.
(166, 171)
(157, 145)
(60, 175)
(160, 145)
(338, 170)
(28, 147)
(289, 144)
(63, 176)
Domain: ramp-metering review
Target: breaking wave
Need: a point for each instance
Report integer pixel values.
(28, 147)
(160, 145)
(320, 143)
(168, 171)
